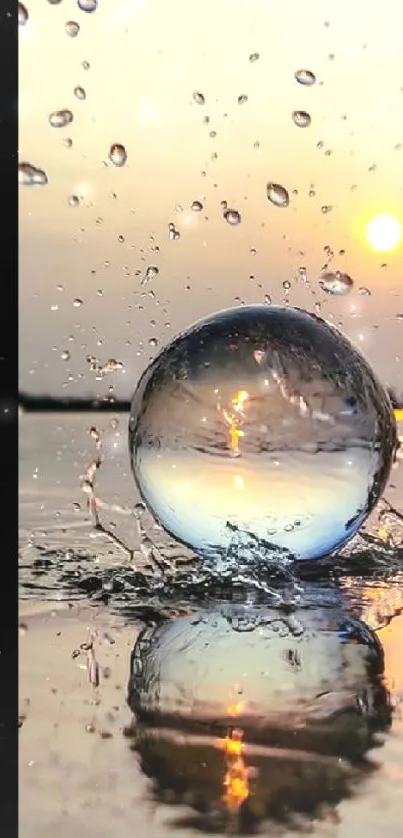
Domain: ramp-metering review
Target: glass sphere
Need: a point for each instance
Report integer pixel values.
(263, 422)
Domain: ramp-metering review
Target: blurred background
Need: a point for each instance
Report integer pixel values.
(178, 158)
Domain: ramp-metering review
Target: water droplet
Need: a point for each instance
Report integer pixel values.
(254, 57)
(305, 77)
(74, 201)
(29, 175)
(85, 65)
(278, 195)
(259, 446)
(173, 233)
(87, 5)
(242, 99)
(399, 318)
(199, 98)
(153, 342)
(364, 292)
(336, 282)
(72, 28)
(286, 285)
(117, 154)
(22, 14)
(197, 206)
(150, 274)
(80, 93)
(232, 216)
(59, 119)
(77, 303)
(67, 142)
(65, 355)
(267, 300)
(326, 208)
(301, 118)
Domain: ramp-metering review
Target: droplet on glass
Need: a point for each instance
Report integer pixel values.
(72, 28)
(242, 99)
(74, 201)
(301, 119)
(153, 342)
(232, 216)
(80, 93)
(336, 282)
(77, 303)
(399, 318)
(59, 119)
(87, 5)
(22, 14)
(254, 56)
(85, 65)
(364, 292)
(286, 285)
(67, 142)
(312, 406)
(199, 98)
(278, 195)
(29, 175)
(196, 206)
(305, 77)
(326, 208)
(117, 154)
(65, 355)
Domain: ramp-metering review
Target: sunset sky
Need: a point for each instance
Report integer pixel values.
(146, 60)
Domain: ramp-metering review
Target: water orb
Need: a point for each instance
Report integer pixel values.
(263, 422)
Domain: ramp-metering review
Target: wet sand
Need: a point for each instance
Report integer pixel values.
(78, 776)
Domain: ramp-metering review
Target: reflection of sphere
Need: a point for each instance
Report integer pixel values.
(265, 421)
(303, 693)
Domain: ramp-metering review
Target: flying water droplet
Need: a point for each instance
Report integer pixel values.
(305, 77)
(23, 15)
(278, 195)
(117, 154)
(59, 119)
(80, 93)
(232, 216)
(198, 98)
(29, 175)
(173, 233)
(87, 5)
(72, 28)
(150, 274)
(302, 433)
(301, 119)
(336, 282)
(196, 206)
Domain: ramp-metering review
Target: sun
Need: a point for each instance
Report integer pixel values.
(384, 232)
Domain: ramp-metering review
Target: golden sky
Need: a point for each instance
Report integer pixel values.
(146, 59)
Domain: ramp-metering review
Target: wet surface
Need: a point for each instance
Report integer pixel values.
(169, 702)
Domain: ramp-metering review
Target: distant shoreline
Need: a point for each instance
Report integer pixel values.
(48, 404)
(51, 404)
